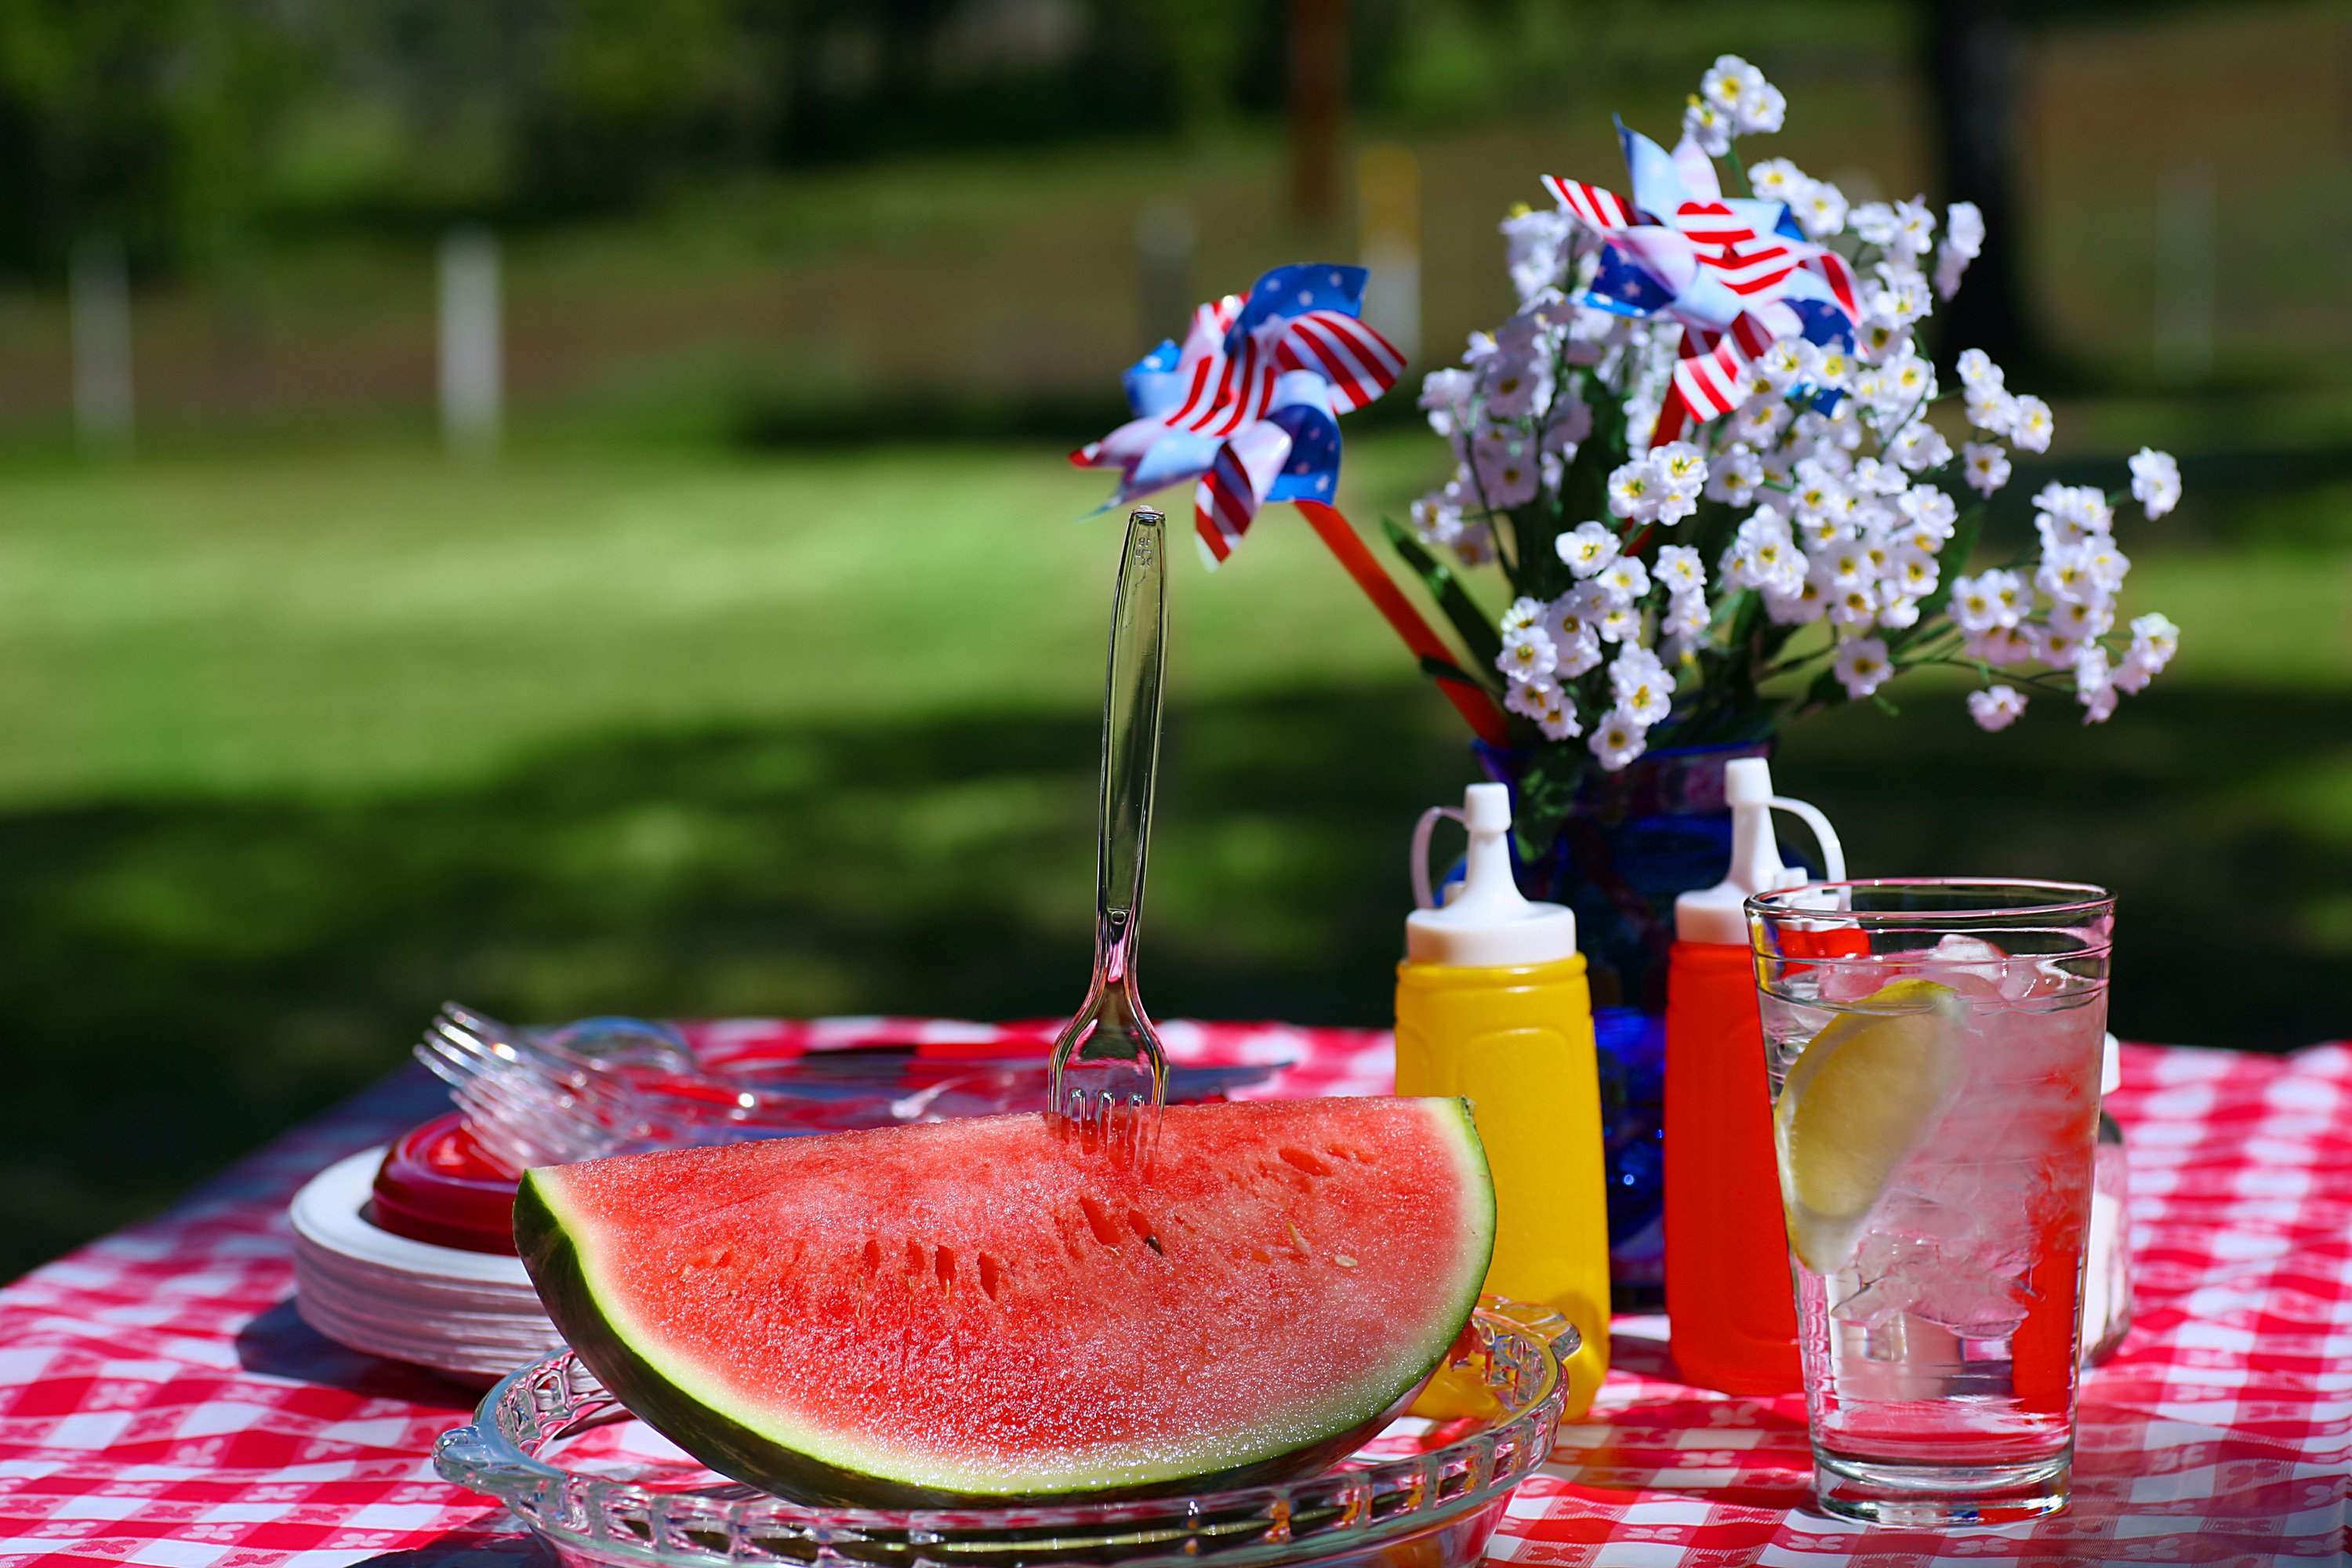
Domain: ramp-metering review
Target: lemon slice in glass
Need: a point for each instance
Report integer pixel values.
(1858, 1098)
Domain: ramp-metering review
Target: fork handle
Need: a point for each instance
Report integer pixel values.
(1131, 705)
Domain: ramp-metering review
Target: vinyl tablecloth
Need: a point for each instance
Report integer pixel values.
(159, 1401)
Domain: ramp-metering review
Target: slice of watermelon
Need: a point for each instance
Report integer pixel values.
(983, 1309)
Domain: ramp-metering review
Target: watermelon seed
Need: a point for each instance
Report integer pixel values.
(990, 1271)
(917, 1264)
(1099, 1219)
(1343, 1260)
(945, 1261)
(1297, 1240)
(873, 1257)
(1142, 1227)
(1300, 1159)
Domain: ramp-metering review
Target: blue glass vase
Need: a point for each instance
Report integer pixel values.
(1636, 839)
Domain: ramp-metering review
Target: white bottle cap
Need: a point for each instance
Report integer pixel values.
(1487, 924)
(1714, 914)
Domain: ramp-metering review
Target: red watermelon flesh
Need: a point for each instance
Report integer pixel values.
(986, 1309)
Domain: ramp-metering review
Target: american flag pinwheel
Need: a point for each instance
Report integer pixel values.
(1249, 405)
(1738, 274)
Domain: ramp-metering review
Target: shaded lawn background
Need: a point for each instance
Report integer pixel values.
(305, 745)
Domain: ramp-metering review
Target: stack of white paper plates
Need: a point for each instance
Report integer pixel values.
(470, 1314)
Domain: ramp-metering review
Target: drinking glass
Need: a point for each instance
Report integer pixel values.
(1932, 1048)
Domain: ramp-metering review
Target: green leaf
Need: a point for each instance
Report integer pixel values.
(1446, 669)
(1470, 624)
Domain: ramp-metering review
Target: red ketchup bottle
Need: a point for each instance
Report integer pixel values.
(1729, 1298)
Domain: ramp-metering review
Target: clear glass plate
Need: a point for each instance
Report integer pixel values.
(575, 1467)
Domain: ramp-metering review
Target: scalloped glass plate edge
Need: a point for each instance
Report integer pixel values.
(1432, 1510)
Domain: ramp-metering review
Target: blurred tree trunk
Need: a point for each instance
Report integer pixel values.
(1318, 102)
(1974, 51)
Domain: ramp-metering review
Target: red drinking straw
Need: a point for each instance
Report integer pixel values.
(1472, 703)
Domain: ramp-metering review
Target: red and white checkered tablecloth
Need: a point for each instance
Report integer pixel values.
(160, 1404)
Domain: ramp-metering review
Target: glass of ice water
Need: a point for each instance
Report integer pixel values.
(1933, 1051)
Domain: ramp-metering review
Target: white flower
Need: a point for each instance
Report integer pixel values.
(1914, 576)
(2029, 423)
(1515, 386)
(1536, 250)
(1617, 740)
(1795, 606)
(1757, 423)
(2080, 620)
(1990, 406)
(1819, 495)
(1507, 468)
(1475, 545)
(1644, 689)
(1763, 554)
(1964, 235)
(1710, 127)
(1436, 518)
(1587, 547)
(1680, 570)
(1528, 655)
(1735, 477)
(1446, 394)
(1823, 213)
(1897, 612)
(1739, 89)
(1778, 180)
(2071, 514)
(1977, 369)
(1686, 615)
(1680, 466)
(1986, 466)
(1929, 510)
(2066, 576)
(1624, 580)
(2094, 686)
(1853, 609)
(1875, 222)
(1618, 623)
(1861, 667)
(2156, 482)
(1783, 364)
(1992, 600)
(1522, 613)
(1995, 707)
(2155, 639)
(1921, 446)
(1844, 564)
(1635, 490)
(2000, 645)
(1549, 706)
(1533, 698)
(1579, 652)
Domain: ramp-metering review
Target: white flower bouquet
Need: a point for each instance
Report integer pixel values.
(1701, 453)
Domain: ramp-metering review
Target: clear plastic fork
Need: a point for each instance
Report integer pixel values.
(1109, 1077)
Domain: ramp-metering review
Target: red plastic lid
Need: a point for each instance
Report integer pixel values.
(435, 1185)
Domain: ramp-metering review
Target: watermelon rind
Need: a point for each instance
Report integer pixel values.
(766, 1448)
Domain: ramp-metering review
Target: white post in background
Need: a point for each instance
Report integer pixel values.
(472, 346)
(2188, 230)
(1164, 235)
(99, 285)
(1388, 190)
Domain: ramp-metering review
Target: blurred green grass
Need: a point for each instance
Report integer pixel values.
(301, 743)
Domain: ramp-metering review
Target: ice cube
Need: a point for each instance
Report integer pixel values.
(1970, 966)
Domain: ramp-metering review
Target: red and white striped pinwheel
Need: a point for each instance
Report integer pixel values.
(1249, 405)
(1738, 274)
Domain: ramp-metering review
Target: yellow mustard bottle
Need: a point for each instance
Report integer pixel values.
(1492, 1005)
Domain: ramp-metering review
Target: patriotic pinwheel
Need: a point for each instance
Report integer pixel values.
(1738, 275)
(1249, 405)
